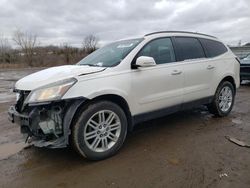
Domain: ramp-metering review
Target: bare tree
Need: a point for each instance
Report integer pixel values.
(27, 42)
(5, 50)
(41, 55)
(90, 43)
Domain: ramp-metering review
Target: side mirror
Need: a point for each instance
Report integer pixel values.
(145, 61)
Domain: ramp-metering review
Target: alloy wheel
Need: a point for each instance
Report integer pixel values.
(102, 131)
(225, 98)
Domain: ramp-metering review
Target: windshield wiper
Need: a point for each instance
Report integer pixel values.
(91, 65)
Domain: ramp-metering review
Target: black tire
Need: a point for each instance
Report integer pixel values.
(214, 106)
(77, 138)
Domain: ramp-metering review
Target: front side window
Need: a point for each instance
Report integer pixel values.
(110, 55)
(189, 48)
(213, 48)
(160, 49)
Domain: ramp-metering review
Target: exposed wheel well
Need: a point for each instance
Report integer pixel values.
(229, 79)
(120, 101)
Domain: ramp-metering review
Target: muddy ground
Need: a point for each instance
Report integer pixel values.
(187, 149)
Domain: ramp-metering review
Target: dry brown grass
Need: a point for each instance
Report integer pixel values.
(46, 61)
(13, 65)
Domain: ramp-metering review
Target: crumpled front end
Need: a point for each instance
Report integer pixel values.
(45, 124)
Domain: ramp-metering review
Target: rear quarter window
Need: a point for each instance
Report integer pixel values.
(213, 48)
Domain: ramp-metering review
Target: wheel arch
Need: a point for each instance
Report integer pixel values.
(230, 79)
(213, 107)
(120, 101)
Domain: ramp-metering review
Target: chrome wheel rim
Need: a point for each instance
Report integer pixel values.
(102, 131)
(225, 99)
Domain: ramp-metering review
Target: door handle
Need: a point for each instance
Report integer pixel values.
(209, 67)
(176, 72)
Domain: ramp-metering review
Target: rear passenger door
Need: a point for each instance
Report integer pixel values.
(196, 68)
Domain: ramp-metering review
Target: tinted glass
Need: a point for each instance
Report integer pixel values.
(213, 48)
(110, 55)
(189, 48)
(160, 49)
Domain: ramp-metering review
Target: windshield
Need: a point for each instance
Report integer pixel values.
(111, 54)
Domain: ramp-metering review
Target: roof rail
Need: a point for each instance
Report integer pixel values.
(188, 32)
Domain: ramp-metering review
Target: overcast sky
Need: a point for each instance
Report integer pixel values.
(59, 21)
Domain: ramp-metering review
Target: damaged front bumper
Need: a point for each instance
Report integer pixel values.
(16, 117)
(47, 125)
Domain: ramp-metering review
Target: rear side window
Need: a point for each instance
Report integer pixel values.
(189, 48)
(213, 48)
(160, 49)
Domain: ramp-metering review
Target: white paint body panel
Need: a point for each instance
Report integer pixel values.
(145, 89)
(53, 74)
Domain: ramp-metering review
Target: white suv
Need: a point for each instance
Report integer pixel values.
(93, 104)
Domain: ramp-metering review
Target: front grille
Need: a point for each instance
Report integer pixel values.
(20, 102)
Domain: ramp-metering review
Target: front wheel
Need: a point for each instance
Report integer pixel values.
(223, 101)
(100, 130)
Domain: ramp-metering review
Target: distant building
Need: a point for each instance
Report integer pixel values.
(241, 51)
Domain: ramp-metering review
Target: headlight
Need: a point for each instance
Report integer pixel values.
(50, 92)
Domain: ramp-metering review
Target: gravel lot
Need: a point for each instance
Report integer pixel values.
(186, 149)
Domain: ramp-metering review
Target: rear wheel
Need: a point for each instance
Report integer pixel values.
(100, 130)
(223, 101)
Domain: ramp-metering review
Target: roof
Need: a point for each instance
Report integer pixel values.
(187, 32)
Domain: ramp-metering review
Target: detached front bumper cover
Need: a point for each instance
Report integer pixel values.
(29, 124)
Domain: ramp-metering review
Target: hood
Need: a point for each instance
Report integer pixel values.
(54, 74)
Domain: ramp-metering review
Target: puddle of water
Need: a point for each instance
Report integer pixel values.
(9, 149)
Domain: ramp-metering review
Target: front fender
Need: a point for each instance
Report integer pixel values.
(108, 92)
(68, 117)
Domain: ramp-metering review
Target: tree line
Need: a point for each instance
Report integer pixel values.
(29, 53)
